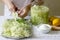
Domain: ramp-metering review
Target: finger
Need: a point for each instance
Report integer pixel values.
(23, 14)
(18, 12)
(15, 7)
(11, 10)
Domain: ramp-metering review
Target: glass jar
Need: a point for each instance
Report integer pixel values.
(39, 14)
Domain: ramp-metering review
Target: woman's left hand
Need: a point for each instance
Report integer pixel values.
(24, 11)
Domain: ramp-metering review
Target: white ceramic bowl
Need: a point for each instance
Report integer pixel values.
(41, 29)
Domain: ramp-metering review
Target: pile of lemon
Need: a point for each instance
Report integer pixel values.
(55, 21)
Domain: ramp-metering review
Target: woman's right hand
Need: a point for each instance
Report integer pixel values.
(12, 7)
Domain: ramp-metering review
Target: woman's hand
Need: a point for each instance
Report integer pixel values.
(10, 5)
(24, 11)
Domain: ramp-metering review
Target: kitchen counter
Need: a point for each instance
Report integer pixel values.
(41, 38)
(53, 35)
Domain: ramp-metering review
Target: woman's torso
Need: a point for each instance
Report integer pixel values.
(18, 3)
(21, 3)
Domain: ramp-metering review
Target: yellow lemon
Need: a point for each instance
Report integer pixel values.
(56, 22)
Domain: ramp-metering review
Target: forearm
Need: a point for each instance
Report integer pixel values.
(7, 2)
(10, 5)
(28, 7)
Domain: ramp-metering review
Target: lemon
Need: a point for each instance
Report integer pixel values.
(56, 22)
